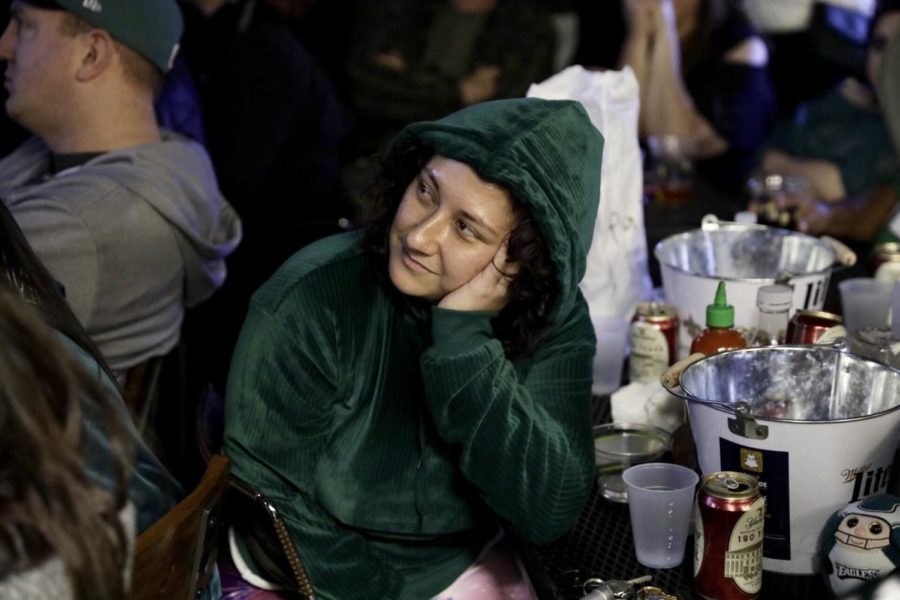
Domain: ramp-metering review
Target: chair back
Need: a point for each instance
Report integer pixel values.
(174, 558)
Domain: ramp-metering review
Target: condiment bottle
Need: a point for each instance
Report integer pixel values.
(774, 303)
(719, 334)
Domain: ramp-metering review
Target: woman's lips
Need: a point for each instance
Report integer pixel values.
(413, 264)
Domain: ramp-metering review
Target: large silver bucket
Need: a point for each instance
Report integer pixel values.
(746, 257)
(817, 425)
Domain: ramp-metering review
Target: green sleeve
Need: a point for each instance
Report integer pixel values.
(281, 394)
(525, 443)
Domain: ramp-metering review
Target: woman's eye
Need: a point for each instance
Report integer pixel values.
(424, 193)
(464, 229)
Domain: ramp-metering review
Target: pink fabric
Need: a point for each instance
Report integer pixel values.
(496, 575)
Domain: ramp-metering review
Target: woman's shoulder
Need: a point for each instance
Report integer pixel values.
(336, 264)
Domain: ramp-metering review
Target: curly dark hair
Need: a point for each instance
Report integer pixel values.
(533, 290)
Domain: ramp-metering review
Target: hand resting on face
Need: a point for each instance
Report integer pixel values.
(488, 289)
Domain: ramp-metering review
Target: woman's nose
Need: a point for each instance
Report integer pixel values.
(424, 236)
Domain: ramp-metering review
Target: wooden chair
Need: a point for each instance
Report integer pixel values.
(245, 499)
(174, 558)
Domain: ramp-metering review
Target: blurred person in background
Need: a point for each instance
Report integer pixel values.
(842, 146)
(702, 73)
(813, 45)
(421, 59)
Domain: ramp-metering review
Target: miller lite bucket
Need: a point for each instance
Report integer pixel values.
(817, 425)
(746, 257)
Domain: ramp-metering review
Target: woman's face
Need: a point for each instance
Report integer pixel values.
(448, 227)
(886, 28)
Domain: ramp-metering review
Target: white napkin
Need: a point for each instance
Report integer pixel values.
(647, 403)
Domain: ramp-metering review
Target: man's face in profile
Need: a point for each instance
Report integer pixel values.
(41, 61)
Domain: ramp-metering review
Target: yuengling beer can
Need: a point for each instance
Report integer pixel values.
(654, 341)
(728, 537)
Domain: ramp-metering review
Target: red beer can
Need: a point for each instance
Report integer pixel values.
(728, 537)
(654, 339)
(814, 327)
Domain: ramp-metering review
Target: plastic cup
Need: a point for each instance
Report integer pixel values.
(612, 336)
(618, 446)
(660, 501)
(866, 303)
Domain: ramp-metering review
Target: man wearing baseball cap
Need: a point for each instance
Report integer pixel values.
(127, 217)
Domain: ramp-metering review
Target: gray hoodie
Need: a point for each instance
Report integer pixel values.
(133, 235)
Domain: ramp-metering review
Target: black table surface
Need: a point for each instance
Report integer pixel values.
(600, 544)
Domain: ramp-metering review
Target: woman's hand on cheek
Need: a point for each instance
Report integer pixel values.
(488, 289)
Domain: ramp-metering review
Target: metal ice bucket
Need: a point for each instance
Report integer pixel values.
(746, 257)
(819, 427)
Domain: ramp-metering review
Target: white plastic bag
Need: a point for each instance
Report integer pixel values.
(617, 276)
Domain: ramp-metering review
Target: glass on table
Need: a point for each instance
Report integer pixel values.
(669, 176)
(618, 446)
(866, 303)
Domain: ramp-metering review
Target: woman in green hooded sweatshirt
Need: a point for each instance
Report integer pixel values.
(405, 393)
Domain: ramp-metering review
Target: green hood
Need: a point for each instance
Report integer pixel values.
(547, 154)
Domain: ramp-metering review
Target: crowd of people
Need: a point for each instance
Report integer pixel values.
(370, 241)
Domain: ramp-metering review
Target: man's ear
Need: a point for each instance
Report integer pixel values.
(97, 52)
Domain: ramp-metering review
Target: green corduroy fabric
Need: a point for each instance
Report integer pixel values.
(396, 437)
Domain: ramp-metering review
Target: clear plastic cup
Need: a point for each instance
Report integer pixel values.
(660, 502)
(866, 303)
(618, 446)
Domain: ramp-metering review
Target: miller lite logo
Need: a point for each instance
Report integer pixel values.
(866, 480)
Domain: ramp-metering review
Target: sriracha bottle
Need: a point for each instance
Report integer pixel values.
(719, 334)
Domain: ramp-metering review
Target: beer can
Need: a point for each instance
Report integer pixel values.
(654, 339)
(728, 537)
(814, 327)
